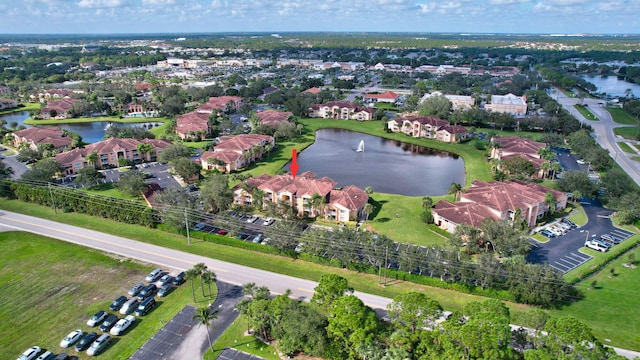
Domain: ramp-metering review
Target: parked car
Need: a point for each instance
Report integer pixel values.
(611, 238)
(266, 241)
(567, 221)
(555, 232)
(547, 233)
(179, 279)
(122, 325)
(118, 302)
(253, 219)
(108, 322)
(30, 353)
(147, 305)
(580, 161)
(47, 355)
(198, 227)
(129, 306)
(222, 232)
(268, 221)
(86, 340)
(148, 291)
(99, 345)
(165, 290)
(97, 318)
(257, 239)
(242, 236)
(62, 356)
(135, 290)
(596, 246)
(601, 242)
(564, 226)
(71, 338)
(154, 275)
(166, 279)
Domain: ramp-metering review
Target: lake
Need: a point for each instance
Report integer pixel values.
(612, 85)
(389, 166)
(90, 132)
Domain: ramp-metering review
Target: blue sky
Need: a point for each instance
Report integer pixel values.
(473, 16)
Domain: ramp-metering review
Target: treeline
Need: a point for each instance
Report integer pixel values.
(338, 325)
(512, 280)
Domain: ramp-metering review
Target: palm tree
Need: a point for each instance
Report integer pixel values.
(368, 209)
(92, 158)
(455, 189)
(143, 150)
(427, 202)
(577, 195)
(200, 269)
(191, 274)
(205, 317)
(268, 149)
(209, 277)
(550, 200)
(249, 289)
(368, 190)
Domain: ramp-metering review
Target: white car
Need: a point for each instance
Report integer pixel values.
(252, 219)
(71, 338)
(268, 221)
(97, 318)
(30, 353)
(596, 246)
(122, 325)
(580, 161)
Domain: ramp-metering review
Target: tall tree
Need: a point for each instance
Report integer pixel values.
(437, 105)
(414, 311)
(330, 288)
(352, 324)
(205, 318)
(455, 189)
(215, 193)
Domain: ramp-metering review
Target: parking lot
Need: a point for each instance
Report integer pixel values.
(563, 252)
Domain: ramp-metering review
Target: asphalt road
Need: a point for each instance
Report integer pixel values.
(169, 258)
(603, 130)
(563, 252)
(18, 167)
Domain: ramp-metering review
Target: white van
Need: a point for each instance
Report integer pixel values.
(129, 306)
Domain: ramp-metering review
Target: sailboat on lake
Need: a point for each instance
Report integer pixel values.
(360, 146)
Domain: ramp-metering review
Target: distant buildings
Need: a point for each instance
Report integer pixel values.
(508, 104)
(221, 103)
(428, 127)
(57, 109)
(497, 200)
(458, 102)
(386, 97)
(7, 104)
(235, 152)
(109, 152)
(343, 205)
(342, 110)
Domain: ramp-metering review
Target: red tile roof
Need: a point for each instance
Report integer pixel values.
(273, 117)
(45, 135)
(219, 103)
(464, 213)
(313, 90)
(350, 197)
(386, 95)
(193, 121)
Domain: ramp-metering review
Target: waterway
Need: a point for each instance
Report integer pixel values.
(90, 132)
(612, 85)
(389, 166)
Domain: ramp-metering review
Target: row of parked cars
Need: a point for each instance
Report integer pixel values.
(603, 243)
(558, 229)
(142, 301)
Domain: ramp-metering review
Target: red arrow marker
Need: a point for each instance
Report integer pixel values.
(294, 163)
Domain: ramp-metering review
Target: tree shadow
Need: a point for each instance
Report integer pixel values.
(383, 220)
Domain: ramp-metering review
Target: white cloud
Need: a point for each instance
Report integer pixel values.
(158, 2)
(508, 2)
(100, 3)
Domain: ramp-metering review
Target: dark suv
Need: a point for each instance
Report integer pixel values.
(87, 340)
(147, 291)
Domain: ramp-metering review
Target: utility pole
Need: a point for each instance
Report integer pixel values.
(386, 256)
(186, 226)
(55, 211)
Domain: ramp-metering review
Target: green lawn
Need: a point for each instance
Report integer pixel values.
(111, 191)
(627, 132)
(621, 116)
(585, 112)
(116, 119)
(24, 107)
(626, 148)
(578, 216)
(540, 238)
(236, 337)
(611, 308)
(635, 158)
(52, 287)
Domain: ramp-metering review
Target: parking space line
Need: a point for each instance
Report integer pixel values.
(557, 268)
(565, 260)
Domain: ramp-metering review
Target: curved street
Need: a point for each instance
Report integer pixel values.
(603, 130)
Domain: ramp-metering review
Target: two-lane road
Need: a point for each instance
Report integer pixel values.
(226, 272)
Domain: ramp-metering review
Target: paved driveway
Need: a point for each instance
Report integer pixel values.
(563, 252)
(18, 167)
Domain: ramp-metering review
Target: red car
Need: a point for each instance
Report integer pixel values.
(222, 232)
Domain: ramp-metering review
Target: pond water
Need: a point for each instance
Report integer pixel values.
(90, 132)
(389, 166)
(612, 85)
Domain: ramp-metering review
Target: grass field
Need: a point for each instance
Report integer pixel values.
(627, 132)
(626, 148)
(610, 309)
(578, 216)
(111, 191)
(24, 107)
(51, 288)
(621, 116)
(635, 158)
(235, 337)
(585, 112)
